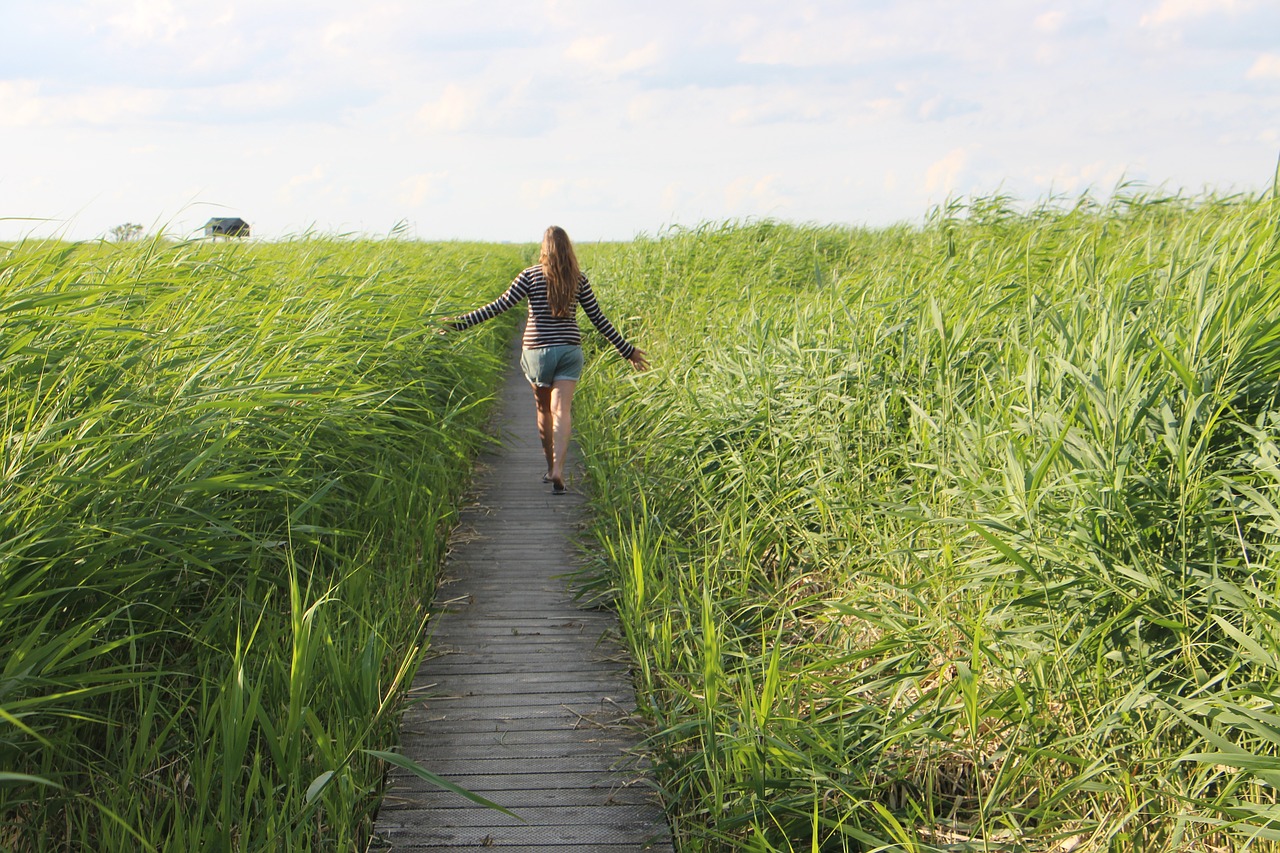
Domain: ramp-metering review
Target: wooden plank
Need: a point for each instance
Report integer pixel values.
(524, 795)
(425, 724)
(525, 695)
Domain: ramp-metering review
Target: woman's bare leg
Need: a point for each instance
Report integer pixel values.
(561, 419)
(542, 398)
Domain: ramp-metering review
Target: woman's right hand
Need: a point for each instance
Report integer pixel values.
(638, 360)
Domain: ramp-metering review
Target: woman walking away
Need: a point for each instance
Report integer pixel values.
(552, 356)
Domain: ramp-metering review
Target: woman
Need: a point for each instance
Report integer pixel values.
(552, 356)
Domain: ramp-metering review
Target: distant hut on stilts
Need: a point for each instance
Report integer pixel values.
(226, 227)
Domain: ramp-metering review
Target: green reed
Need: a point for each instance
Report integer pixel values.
(953, 537)
(228, 472)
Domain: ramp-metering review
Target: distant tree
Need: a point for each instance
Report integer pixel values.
(126, 232)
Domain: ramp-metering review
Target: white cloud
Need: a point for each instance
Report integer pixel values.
(1050, 22)
(242, 98)
(337, 37)
(673, 196)
(754, 196)
(785, 107)
(1073, 179)
(807, 40)
(943, 176)
(884, 108)
(535, 193)
(942, 107)
(416, 190)
(917, 102)
(626, 117)
(455, 110)
(567, 201)
(22, 104)
(1060, 37)
(146, 20)
(1267, 67)
(1267, 136)
(1170, 11)
(645, 107)
(602, 54)
(303, 185)
(511, 108)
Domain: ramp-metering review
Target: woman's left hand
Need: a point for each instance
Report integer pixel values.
(638, 360)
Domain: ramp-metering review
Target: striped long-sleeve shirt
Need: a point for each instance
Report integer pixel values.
(544, 330)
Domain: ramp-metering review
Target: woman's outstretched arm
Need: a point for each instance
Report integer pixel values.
(587, 299)
(518, 291)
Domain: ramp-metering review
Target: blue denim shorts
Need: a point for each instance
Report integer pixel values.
(544, 365)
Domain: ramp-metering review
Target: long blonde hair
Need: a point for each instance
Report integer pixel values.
(560, 266)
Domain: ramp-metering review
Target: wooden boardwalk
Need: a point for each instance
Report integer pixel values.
(525, 697)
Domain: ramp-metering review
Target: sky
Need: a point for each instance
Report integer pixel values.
(491, 119)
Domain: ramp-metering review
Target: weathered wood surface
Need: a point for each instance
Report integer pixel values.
(525, 697)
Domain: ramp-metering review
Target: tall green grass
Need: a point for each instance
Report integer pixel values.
(955, 537)
(227, 472)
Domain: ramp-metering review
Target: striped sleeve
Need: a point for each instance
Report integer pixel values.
(587, 299)
(517, 292)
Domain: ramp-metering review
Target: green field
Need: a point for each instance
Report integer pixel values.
(956, 536)
(228, 473)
